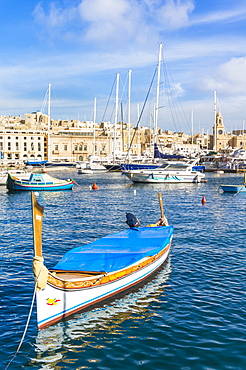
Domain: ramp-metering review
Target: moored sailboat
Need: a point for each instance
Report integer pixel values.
(166, 173)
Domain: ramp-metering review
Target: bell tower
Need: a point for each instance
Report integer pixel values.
(218, 131)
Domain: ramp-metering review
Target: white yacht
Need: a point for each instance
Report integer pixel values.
(18, 173)
(167, 173)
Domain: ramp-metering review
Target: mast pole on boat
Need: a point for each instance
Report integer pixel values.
(94, 127)
(129, 106)
(157, 93)
(192, 128)
(49, 89)
(215, 128)
(116, 112)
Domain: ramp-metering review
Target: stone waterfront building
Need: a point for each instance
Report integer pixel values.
(37, 137)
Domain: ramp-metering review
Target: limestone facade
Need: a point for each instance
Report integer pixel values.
(31, 138)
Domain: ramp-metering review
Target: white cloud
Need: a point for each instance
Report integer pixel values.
(175, 14)
(229, 78)
(111, 22)
(55, 17)
(230, 15)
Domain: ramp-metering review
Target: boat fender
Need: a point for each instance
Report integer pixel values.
(40, 272)
(152, 225)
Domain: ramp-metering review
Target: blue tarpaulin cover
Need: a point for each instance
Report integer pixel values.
(117, 251)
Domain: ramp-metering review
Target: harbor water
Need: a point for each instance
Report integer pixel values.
(190, 315)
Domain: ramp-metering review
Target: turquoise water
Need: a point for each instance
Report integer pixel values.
(190, 315)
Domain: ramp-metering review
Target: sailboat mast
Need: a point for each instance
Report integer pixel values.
(157, 93)
(116, 113)
(129, 106)
(49, 89)
(215, 128)
(192, 129)
(94, 126)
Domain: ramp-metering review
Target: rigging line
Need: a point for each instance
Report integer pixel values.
(44, 102)
(108, 100)
(58, 107)
(177, 94)
(27, 323)
(141, 113)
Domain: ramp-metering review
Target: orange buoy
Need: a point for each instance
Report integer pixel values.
(94, 186)
(203, 200)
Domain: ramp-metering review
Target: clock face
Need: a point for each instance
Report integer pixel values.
(220, 132)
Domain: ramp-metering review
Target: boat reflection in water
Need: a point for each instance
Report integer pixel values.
(74, 335)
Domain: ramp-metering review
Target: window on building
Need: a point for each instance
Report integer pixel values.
(25, 147)
(17, 146)
(39, 147)
(32, 146)
(9, 146)
(1, 146)
(80, 147)
(56, 147)
(85, 148)
(75, 147)
(65, 147)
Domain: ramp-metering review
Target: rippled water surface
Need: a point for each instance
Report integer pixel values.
(190, 315)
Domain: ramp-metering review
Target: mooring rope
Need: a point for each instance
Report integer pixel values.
(243, 186)
(26, 326)
(83, 187)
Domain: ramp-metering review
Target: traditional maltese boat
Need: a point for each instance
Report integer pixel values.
(37, 182)
(87, 275)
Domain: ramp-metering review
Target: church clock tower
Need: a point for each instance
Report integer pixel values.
(219, 132)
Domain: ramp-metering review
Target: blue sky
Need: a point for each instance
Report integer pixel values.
(78, 46)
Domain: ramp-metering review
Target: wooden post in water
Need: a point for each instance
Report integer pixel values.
(245, 179)
(37, 220)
